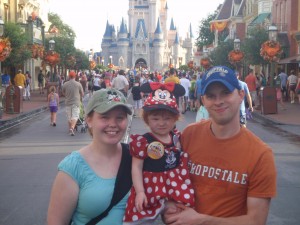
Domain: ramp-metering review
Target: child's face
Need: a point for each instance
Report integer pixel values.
(161, 122)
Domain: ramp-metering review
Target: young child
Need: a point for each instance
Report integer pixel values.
(53, 103)
(159, 168)
(137, 97)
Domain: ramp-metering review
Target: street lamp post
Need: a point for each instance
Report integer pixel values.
(1, 34)
(102, 62)
(1, 95)
(272, 30)
(236, 55)
(51, 48)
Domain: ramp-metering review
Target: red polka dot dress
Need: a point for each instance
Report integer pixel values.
(166, 178)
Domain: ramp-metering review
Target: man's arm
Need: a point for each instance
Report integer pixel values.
(257, 213)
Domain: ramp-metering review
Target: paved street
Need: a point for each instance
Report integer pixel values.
(30, 152)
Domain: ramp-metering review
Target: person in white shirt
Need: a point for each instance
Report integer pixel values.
(185, 99)
(121, 83)
(292, 83)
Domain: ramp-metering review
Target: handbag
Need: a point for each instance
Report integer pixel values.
(122, 185)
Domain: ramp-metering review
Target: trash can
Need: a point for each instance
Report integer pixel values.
(268, 100)
(13, 99)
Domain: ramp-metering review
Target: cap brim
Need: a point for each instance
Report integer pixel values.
(103, 109)
(157, 107)
(226, 84)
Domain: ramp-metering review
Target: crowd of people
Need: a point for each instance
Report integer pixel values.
(213, 172)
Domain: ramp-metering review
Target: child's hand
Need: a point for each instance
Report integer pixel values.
(140, 201)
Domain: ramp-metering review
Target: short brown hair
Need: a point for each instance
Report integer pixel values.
(146, 114)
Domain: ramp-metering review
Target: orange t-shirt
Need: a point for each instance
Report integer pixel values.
(250, 80)
(225, 172)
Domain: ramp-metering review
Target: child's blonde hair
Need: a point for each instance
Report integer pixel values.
(52, 89)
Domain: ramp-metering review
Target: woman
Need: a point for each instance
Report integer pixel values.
(86, 178)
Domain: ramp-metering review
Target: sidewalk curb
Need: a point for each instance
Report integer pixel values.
(22, 117)
(259, 116)
(7, 124)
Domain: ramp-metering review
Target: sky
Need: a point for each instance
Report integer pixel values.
(88, 17)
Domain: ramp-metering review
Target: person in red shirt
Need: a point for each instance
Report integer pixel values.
(250, 80)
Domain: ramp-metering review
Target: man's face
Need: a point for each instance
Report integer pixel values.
(223, 106)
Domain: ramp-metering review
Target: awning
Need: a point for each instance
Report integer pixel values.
(260, 19)
(292, 59)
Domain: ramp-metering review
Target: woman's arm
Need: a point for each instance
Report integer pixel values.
(63, 200)
(137, 179)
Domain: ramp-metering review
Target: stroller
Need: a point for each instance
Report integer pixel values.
(81, 122)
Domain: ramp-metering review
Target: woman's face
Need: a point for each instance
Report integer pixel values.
(109, 127)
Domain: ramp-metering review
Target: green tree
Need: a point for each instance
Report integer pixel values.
(20, 51)
(206, 36)
(82, 61)
(64, 30)
(219, 55)
(252, 44)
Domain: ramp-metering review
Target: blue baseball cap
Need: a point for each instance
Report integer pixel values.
(220, 74)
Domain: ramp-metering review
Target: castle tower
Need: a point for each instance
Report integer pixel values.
(122, 45)
(158, 45)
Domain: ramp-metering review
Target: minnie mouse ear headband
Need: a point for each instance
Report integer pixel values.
(163, 96)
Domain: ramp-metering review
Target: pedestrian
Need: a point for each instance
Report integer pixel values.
(283, 81)
(233, 171)
(278, 86)
(246, 106)
(192, 95)
(251, 82)
(73, 92)
(27, 86)
(185, 99)
(53, 104)
(159, 167)
(292, 84)
(137, 97)
(298, 87)
(97, 82)
(41, 80)
(121, 83)
(198, 90)
(5, 82)
(20, 79)
(172, 77)
(86, 178)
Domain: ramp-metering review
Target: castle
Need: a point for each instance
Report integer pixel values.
(146, 42)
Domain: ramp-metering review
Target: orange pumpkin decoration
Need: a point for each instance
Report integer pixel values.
(110, 65)
(171, 65)
(52, 58)
(235, 56)
(5, 48)
(270, 50)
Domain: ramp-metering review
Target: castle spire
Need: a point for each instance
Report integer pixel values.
(172, 26)
(158, 27)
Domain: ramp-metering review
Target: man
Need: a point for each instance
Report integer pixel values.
(121, 83)
(73, 92)
(283, 79)
(232, 170)
(41, 78)
(243, 114)
(172, 77)
(250, 80)
(185, 99)
(20, 80)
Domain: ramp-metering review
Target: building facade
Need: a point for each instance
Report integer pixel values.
(146, 41)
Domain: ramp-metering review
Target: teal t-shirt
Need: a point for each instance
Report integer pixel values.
(95, 192)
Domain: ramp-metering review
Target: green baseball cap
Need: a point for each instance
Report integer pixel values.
(104, 100)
